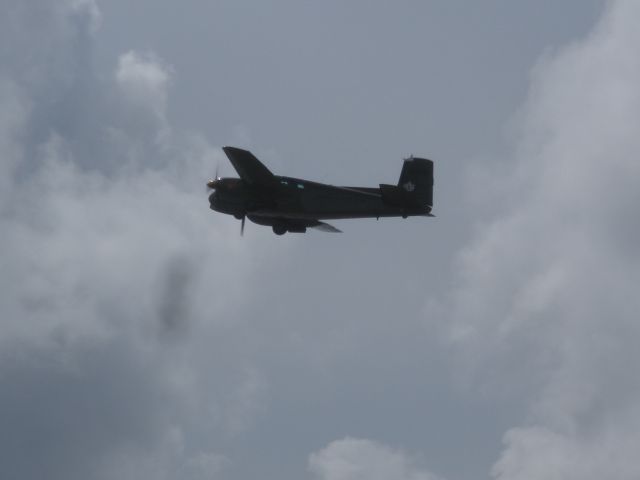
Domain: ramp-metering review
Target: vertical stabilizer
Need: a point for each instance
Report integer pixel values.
(416, 179)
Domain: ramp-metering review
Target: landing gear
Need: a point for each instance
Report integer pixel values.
(279, 229)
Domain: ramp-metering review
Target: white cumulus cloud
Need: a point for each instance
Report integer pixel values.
(110, 261)
(545, 308)
(361, 459)
(144, 80)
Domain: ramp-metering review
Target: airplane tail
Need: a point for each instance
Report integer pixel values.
(415, 187)
(416, 179)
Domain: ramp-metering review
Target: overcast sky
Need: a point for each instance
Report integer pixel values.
(142, 337)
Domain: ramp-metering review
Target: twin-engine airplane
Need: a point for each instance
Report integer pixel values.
(293, 205)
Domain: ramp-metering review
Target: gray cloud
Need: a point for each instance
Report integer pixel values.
(175, 300)
(359, 459)
(140, 337)
(66, 412)
(108, 250)
(545, 309)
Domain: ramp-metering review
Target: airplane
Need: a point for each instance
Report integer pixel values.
(293, 205)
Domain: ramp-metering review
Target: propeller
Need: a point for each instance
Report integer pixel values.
(212, 184)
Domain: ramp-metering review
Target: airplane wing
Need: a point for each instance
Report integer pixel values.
(250, 169)
(325, 227)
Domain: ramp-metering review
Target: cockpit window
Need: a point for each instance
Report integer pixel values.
(300, 185)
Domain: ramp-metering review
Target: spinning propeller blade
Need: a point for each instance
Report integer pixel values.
(211, 184)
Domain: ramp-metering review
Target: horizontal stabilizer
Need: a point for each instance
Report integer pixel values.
(325, 227)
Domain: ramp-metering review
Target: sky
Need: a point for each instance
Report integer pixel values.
(142, 337)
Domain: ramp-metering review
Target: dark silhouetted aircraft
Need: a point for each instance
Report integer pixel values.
(293, 205)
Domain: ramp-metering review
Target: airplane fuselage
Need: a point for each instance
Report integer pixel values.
(297, 199)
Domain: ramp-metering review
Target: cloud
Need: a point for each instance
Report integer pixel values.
(360, 459)
(15, 111)
(144, 81)
(126, 349)
(116, 279)
(544, 309)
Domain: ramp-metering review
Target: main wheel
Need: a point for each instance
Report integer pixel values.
(279, 229)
